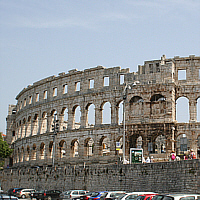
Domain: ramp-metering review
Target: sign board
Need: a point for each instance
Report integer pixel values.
(136, 155)
(118, 146)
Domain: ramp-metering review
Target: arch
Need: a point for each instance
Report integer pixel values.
(27, 154)
(35, 124)
(136, 99)
(88, 147)
(74, 148)
(50, 149)
(182, 144)
(120, 145)
(136, 106)
(139, 142)
(198, 109)
(44, 123)
(105, 146)
(106, 112)
(22, 154)
(157, 97)
(76, 116)
(42, 151)
(28, 127)
(34, 153)
(182, 115)
(120, 112)
(62, 148)
(160, 144)
(90, 118)
(64, 112)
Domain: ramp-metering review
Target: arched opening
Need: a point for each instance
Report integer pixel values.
(160, 144)
(44, 123)
(62, 149)
(106, 109)
(183, 145)
(42, 151)
(198, 109)
(182, 109)
(65, 122)
(139, 142)
(76, 117)
(90, 121)
(74, 148)
(27, 157)
(34, 152)
(50, 149)
(136, 106)
(89, 147)
(105, 145)
(120, 113)
(35, 124)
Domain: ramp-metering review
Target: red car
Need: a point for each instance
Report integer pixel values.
(145, 197)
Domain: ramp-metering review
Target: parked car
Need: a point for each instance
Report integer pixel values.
(12, 191)
(46, 194)
(179, 197)
(86, 196)
(145, 197)
(7, 197)
(24, 193)
(132, 195)
(70, 194)
(111, 195)
(96, 195)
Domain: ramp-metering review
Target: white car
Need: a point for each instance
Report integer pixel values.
(72, 193)
(111, 194)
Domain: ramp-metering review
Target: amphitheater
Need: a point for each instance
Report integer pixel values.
(85, 107)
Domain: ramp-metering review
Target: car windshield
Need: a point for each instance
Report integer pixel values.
(68, 192)
(94, 194)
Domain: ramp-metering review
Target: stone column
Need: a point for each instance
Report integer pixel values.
(71, 119)
(98, 115)
(83, 116)
(114, 113)
(193, 110)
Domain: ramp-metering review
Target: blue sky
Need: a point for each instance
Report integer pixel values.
(43, 38)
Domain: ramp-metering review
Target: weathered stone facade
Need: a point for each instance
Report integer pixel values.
(163, 177)
(150, 113)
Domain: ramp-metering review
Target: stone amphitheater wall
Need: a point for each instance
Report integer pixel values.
(150, 112)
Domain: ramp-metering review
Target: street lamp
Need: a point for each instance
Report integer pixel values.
(55, 128)
(126, 87)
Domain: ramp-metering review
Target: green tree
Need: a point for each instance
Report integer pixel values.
(5, 151)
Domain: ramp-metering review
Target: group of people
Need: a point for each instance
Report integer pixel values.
(189, 155)
(148, 160)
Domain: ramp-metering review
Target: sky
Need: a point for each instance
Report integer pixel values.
(39, 39)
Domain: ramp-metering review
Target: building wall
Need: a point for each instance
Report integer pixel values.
(150, 112)
(163, 177)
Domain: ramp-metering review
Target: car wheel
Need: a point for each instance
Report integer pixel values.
(23, 196)
(49, 198)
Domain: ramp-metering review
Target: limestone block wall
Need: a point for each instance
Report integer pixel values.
(150, 101)
(164, 177)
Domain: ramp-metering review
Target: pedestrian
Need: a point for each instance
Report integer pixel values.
(148, 160)
(192, 154)
(152, 159)
(173, 156)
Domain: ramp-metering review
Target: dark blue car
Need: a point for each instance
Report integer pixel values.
(96, 195)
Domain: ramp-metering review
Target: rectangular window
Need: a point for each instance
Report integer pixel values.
(45, 94)
(24, 102)
(13, 133)
(55, 92)
(65, 89)
(182, 74)
(91, 83)
(77, 86)
(106, 81)
(150, 68)
(121, 79)
(37, 97)
(157, 67)
(30, 99)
